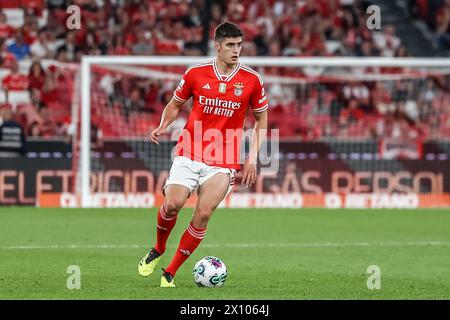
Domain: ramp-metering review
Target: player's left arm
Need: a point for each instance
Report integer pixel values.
(258, 135)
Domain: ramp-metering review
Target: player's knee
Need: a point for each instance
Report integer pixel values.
(203, 215)
(173, 207)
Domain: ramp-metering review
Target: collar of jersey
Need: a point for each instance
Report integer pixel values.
(231, 75)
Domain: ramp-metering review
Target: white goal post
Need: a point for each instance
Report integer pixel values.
(84, 169)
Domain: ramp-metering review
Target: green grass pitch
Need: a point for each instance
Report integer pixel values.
(270, 254)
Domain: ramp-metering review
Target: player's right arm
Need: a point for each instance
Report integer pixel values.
(168, 116)
(180, 96)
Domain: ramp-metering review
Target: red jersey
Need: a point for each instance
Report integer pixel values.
(213, 132)
(6, 31)
(15, 81)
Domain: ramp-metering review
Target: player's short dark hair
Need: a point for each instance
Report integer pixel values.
(227, 30)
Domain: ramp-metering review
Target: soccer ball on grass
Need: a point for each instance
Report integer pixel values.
(210, 272)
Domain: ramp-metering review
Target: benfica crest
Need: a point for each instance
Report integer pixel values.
(238, 86)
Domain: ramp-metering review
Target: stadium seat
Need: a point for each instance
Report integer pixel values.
(2, 96)
(15, 97)
(19, 97)
(3, 73)
(15, 17)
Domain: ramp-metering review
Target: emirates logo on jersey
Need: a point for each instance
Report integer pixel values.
(238, 86)
(216, 102)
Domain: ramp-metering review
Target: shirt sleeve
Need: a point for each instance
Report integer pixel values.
(258, 100)
(184, 90)
(5, 82)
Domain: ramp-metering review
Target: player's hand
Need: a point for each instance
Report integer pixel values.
(155, 133)
(249, 174)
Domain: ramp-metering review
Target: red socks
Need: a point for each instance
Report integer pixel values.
(165, 225)
(188, 243)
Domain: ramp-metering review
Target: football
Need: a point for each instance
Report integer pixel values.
(210, 272)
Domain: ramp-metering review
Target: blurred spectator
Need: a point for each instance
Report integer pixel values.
(47, 127)
(401, 52)
(57, 4)
(235, 11)
(336, 105)
(91, 44)
(293, 48)
(384, 126)
(6, 57)
(50, 90)
(193, 18)
(410, 108)
(249, 49)
(143, 45)
(6, 30)
(352, 113)
(216, 16)
(70, 49)
(31, 110)
(443, 28)
(118, 46)
(36, 77)
(42, 47)
(367, 49)
(19, 47)
(34, 130)
(30, 28)
(12, 135)
(96, 135)
(359, 93)
(14, 81)
(403, 129)
(387, 41)
(134, 103)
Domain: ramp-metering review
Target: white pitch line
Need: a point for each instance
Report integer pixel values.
(234, 245)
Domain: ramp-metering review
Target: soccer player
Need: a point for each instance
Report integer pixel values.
(207, 153)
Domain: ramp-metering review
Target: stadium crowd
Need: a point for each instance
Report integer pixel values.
(436, 14)
(367, 109)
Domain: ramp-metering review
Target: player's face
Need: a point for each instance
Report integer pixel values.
(229, 50)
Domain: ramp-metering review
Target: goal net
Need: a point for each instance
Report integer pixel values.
(344, 126)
